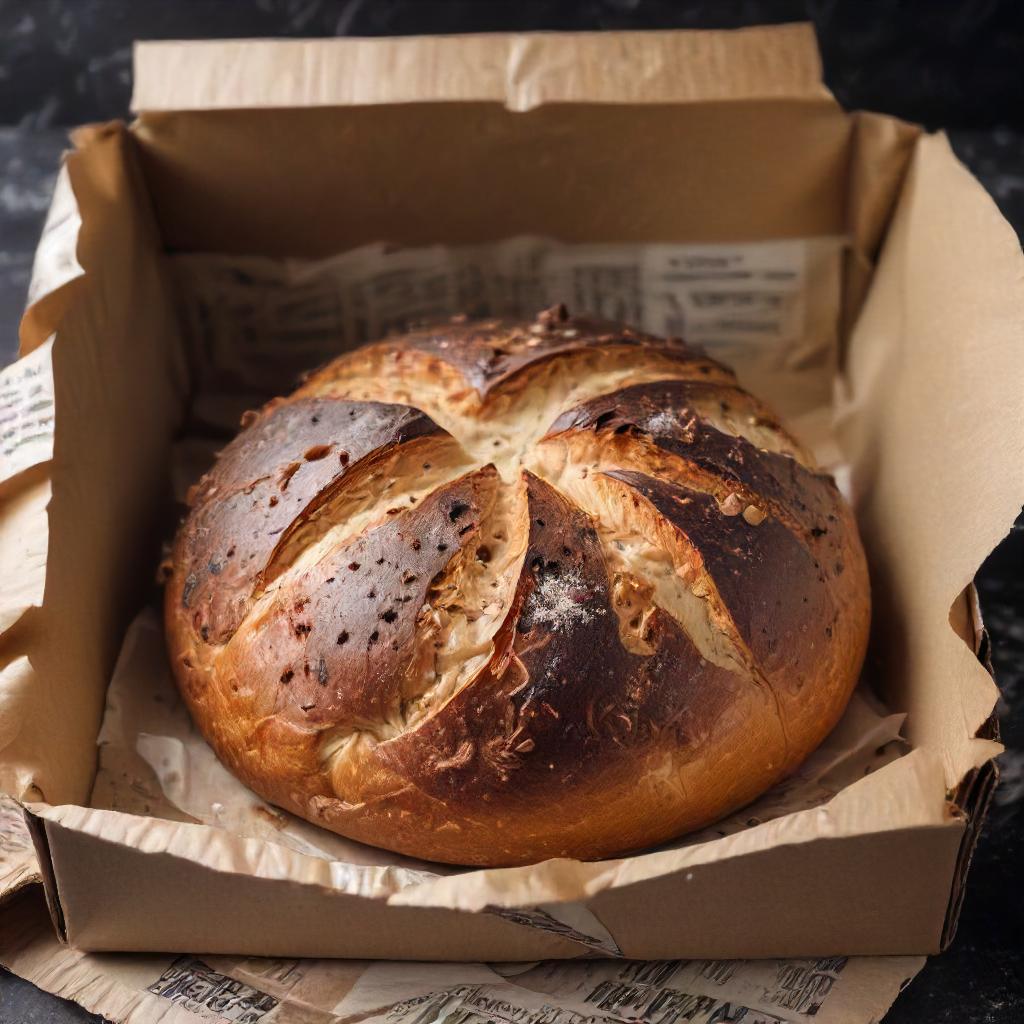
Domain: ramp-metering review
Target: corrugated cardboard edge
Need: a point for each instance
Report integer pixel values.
(37, 830)
(976, 790)
(521, 71)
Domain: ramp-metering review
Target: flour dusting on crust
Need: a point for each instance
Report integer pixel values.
(561, 600)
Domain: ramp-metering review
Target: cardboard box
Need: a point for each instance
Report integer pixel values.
(310, 148)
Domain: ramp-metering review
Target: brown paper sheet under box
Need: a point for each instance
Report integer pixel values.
(735, 143)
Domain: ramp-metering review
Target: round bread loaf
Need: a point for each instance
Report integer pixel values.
(495, 592)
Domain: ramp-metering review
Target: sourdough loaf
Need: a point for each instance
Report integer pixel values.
(495, 592)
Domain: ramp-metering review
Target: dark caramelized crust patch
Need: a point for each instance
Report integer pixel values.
(675, 416)
(773, 591)
(489, 353)
(274, 473)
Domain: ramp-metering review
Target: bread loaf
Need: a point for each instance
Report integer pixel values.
(496, 592)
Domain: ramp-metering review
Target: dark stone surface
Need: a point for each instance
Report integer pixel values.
(22, 1003)
(64, 62)
(940, 63)
(29, 160)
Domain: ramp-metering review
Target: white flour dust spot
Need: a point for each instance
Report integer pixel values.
(560, 600)
(662, 423)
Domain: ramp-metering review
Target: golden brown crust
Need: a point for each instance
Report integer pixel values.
(645, 614)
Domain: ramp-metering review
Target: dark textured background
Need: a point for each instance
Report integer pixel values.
(957, 64)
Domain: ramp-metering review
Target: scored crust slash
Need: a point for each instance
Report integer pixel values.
(493, 592)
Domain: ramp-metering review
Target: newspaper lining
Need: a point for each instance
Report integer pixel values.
(26, 412)
(768, 309)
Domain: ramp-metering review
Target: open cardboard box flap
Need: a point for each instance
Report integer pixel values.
(520, 71)
(274, 148)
